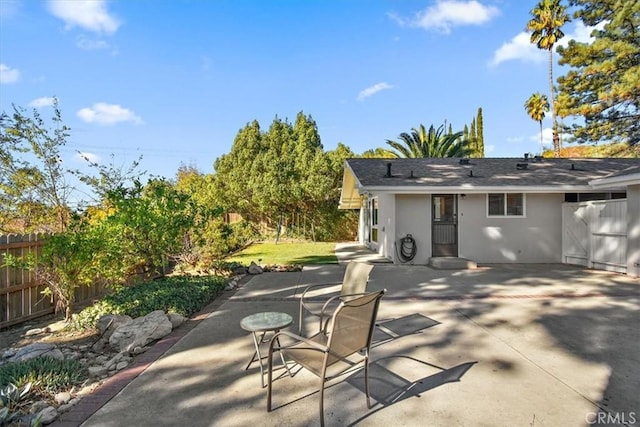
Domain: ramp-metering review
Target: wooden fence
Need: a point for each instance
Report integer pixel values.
(21, 298)
(595, 234)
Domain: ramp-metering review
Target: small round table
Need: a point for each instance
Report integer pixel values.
(262, 323)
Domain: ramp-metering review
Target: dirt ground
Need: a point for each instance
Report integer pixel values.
(16, 336)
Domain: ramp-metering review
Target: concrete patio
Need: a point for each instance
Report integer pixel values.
(498, 345)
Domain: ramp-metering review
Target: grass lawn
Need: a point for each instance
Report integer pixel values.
(287, 253)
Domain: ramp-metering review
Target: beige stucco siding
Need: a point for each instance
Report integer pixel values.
(531, 239)
(386, 224)
(413, 216)
(633, 230)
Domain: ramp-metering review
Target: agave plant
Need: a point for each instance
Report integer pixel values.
(11, 396)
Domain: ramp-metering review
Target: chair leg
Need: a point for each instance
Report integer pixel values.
(366, 381)
(269, 377)
(322, 400)
(300, 320)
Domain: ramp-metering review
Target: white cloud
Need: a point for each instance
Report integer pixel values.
(108, 114)
(372, 90)
(88, 44)
(547, 137)
(446, 14)
(44, 101)
(520, 48)
(490, 148)
(581, 33)
(91, 15)
(87, 157)
(8, 75)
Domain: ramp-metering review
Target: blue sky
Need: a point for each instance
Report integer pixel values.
(174, 81)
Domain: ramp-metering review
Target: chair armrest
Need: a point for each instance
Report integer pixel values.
(317, 285)
(298, 338)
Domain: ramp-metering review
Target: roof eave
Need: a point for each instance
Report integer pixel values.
(470, 189)
(350, 192)
(620, 181)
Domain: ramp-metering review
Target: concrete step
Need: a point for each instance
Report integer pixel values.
(452, 263)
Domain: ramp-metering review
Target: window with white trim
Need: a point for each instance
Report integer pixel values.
(374, 220)
(505, 204)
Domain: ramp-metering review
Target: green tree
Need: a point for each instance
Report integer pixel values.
(377, 153)
(41, 181)
(602, 85)
(237, 173)
(150, 222)
(537, 107)
(473, 138)
(546, 29)
(429, 143)
(480, 134)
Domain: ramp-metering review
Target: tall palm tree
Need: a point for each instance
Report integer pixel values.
(548, 18)
(429, 143)
(537, 107)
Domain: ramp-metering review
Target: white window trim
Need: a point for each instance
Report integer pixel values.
(374, 208)
(524, 205)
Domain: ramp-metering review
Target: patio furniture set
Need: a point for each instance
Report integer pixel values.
(341, 341)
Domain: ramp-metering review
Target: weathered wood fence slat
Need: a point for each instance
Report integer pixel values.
(21, 298)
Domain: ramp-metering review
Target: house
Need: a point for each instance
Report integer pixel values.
(499, 210)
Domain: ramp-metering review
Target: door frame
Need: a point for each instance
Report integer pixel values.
(444, 225)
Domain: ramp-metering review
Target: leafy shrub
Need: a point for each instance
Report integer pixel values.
(184, 295)
(12, 398)
(46, 374)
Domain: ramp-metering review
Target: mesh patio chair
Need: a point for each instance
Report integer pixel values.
(354, 283)
(342, 344)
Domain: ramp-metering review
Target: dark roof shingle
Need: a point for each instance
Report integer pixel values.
(488, 172)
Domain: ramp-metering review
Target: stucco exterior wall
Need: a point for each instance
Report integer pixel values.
(535, 238)
(413, 216)
(386, 224)
(633, 230)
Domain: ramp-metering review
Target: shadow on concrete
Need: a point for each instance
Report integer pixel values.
(391, 329)
(387, 387)
(607, 334)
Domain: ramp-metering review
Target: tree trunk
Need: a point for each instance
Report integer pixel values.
(541, 143)
(556, 138)
(278, 228)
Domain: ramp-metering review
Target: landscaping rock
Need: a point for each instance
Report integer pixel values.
(140, 332)
(63, 397)
(37, 331)
(37, 349)
(98, 371)
(38, 406)
(176, 319)
(48, 415)
(255, 269)
(9, 353)
(110, 322)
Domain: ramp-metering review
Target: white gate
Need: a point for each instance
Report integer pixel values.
(595, 234)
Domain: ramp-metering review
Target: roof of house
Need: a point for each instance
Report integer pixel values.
(456, 175)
